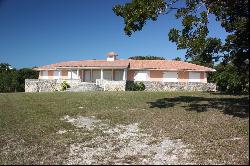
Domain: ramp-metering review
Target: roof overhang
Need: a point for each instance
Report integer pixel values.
(212, 70)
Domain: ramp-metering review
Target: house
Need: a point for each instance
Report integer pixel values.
(132, 70)
(115, 70)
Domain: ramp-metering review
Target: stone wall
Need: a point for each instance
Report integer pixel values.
(114, 85)
(84, 87)
(42, 85)
(36, 85)
(178, 86)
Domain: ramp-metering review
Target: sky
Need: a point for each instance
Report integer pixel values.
(41, 32)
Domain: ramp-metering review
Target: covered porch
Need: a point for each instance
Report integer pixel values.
(93, 74)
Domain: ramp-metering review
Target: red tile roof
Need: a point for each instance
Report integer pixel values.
(166, 65)
(131, 64)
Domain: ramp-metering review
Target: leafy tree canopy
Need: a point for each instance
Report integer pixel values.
(12, 80)
(147, 58)
(193, 37)
(177, 59)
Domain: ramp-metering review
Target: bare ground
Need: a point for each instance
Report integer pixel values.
(124, 144)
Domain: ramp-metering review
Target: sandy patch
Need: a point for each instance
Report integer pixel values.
(124, 144)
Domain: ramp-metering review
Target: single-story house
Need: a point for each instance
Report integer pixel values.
(114, 69)
(115, 74)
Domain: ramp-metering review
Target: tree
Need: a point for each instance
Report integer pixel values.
(23, 74)
(227, 79)
(4, 67)
(177, 59)
(12, 80)
(147, 58)
(201, 49)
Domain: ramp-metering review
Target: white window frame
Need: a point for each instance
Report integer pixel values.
(174, 76)
(140, 72)
(196, 77)
(44, 76)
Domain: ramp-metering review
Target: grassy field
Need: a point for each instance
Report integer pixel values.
(214, 126)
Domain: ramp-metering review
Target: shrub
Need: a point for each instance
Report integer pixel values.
(64, 86)
(134, 86)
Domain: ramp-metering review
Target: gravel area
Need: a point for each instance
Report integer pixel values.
(124, 144)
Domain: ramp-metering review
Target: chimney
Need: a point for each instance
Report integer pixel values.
(111, 56)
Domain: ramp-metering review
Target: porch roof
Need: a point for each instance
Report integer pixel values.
(87, 64)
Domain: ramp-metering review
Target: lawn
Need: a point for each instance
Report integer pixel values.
(123, 127)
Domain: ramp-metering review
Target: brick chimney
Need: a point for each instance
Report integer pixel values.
(111, 56)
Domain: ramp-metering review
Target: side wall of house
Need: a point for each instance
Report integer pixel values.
(154, 75)
(157, 75)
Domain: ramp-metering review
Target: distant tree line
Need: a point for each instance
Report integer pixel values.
(147, 57)
(13, 80)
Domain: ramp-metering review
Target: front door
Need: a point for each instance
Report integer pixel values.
(87, 76)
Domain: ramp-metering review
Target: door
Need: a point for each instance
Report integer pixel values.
(87, 76)
(96, 74)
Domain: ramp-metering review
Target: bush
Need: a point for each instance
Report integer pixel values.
(64, 86)
(230, 80)
(134, 86)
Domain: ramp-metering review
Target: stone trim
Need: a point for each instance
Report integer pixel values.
(178, 86)
(42, 85)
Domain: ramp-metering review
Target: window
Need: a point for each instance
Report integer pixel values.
(107, 74)
(44, 74)
(170, 76)
(194, 77)
(118, 75)
(72, 74)
(56, 74)
(141, 75)
(96, 74)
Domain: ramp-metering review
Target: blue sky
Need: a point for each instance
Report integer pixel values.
(40, 32)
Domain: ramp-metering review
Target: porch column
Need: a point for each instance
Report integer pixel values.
(91, 75)
(101, 74)
(59, 74)
(124, 75)
(77, 73)
(112, 76)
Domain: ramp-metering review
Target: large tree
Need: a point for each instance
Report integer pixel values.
(194, 14)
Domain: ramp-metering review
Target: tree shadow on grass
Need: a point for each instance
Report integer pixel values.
(238, 107)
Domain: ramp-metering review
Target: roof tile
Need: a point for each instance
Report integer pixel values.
(132, 64)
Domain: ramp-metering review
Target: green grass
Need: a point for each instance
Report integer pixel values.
(216, 126)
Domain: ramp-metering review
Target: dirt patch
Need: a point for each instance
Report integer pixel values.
(124, 144)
